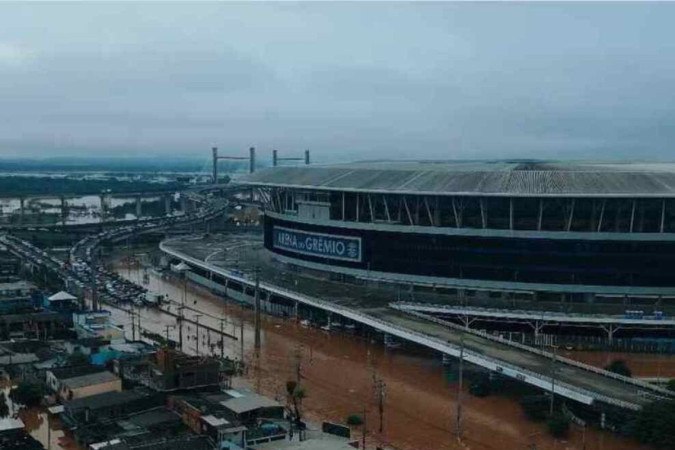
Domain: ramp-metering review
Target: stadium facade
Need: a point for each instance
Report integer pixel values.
(575, 230)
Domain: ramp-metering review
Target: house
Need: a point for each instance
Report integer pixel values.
(206, 417)
(91, 384)
(82, 381)
(17, 296)
(85, 346)
(40, 325)
(249, 407)
(108, 406)
(96, 324)
(62, 301)
(13, 436)
(170, 370)
(191, 442)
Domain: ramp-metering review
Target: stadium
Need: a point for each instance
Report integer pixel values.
(560, 232)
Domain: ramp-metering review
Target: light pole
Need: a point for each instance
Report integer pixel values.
(553, 359)
(197, 317)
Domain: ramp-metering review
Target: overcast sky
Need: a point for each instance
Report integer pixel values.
(347, 80)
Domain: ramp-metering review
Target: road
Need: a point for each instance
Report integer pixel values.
(373, 302)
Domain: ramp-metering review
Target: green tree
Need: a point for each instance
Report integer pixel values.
(4, 407)
(295, 394)
(619, 366)
(354, 420)
(558, 425)
(655, 424)
(27, 394)
(671, 384)
(77, 358)
(535, 407)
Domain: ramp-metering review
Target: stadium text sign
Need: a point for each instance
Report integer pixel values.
(345, 248)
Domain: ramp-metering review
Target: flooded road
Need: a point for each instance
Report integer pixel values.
(338, 372)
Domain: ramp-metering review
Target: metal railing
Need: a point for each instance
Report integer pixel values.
(401, 307)
(405, 333)
(539, 315)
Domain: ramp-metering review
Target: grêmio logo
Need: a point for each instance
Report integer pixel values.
(345, 248)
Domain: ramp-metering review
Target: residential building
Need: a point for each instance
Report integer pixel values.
(91, 324)
(87, 385)
(17, 296)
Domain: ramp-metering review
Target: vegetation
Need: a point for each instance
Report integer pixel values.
(18, 185)
(77, 359)
(671, 384)
(354, 420)
(27, 394)
(655, 424)
(4, 407)
(481, 387)
(295, 394)
(535, 407)
(558, 425)
(619, 366)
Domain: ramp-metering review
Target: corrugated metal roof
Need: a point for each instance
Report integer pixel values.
(479, 178)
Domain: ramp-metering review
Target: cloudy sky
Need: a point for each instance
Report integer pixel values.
(347, 80)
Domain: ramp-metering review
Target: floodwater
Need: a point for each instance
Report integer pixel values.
(82, 209)
(338, 371)
(647, 365)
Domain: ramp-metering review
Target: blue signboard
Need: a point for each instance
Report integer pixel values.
(345, 248)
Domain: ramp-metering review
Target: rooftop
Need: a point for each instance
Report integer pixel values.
(89, 379)
(497, 178)
(17, 285)
(106, 400)
(9, 423)
(249, 402)
(64, 373)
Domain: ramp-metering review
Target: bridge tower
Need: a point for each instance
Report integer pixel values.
(216, 157)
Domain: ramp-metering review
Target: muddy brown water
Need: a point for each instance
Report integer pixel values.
(337, 371)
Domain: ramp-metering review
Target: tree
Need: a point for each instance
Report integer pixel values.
(535, 407)
(482, 387)
(27, 394)
(671, 384)
(295, 394)
(655, 424)
(4, 407)
(558, 425)
(354, 420)
(619, 366)
(77, 358)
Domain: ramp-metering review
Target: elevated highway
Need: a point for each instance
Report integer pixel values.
(572, 380)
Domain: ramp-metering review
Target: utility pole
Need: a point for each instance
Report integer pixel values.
(133, 323)
(197, 317)
(363, 435)
(222, 339)
(167, 333)
(380, 387)
(94, 306)
(458, 426)
(553, 358)
(241, 337)
(180, 327)
(298, 364)
(257, 310)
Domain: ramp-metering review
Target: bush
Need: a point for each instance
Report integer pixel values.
(535, 407)
(27, 394)
(619, 366)
(481, 387)
(558, 425)
(655, 424)
(671, 384)
(354, 420)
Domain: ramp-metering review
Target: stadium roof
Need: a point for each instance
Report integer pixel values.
(478, 178)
